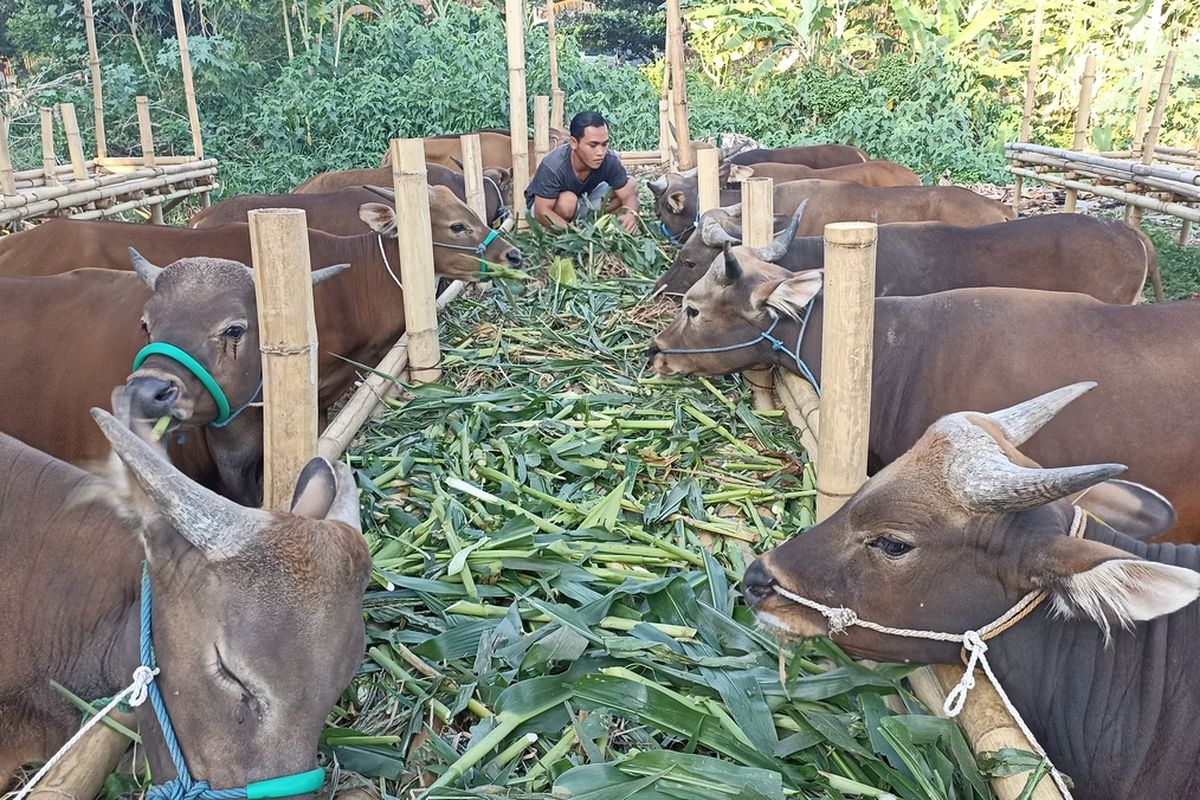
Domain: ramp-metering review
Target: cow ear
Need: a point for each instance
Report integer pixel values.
(676, 201)
(379, 218)
(315, 490)
(790, 296)
(1096, 581)
(739, 173)
(1130, 508)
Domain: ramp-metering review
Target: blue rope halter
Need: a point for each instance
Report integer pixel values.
(776, 345)
(677, 240)
(478, 249)
(185, 787)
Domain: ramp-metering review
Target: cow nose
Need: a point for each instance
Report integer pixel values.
(514, 257)
(756, 583)
(151, 397)
(652, 351)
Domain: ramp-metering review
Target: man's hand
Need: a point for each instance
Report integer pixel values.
(628, 219)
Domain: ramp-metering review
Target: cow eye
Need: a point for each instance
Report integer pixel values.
(892, 548)
(692, 311)
(687, 262)
(235, 332)
(458, 227)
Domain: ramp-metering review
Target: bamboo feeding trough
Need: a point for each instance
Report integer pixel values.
(104, 186)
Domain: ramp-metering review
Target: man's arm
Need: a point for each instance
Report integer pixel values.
(543, 212)
(625, 205)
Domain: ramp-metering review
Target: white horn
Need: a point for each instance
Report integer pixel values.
(1023, 420)
(780, 244)
(145, 270)
(713, 235)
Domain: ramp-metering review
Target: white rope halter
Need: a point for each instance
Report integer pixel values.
(387, 264)
(974, 643)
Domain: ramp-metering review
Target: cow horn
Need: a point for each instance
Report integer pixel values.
(325, 273)
(713, 235)
(658, 185)
(733, 270)
(385, 193)
(146, 271)
(217, 526)
(780, 244)
(1023, 420)
(992, 483)
(734, 211)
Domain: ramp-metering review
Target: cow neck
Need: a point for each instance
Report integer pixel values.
(360, 314)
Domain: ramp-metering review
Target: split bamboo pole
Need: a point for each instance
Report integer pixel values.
(1133, 170)
(8, 184)
(49, 161)
(665, 150)
(518, 124)
(709, 178)
(142, 202)
(1082, 115)
(1129, 198)
(89, 22)
(416, 256)
(758, 215)
(1185, 227)
(687, 157)
(134, 180)
(74, 140)
(846, 353)
(799, 399)
(369, 396)
(145, 131)
(189, 90)
(288, 341)
(541, 127)
(1154, 28)
(1077, 168)
(1160, 107)
(557, 96)
(472, 161)
(84, 768)
(1031, 79)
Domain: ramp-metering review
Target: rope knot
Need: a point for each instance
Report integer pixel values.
(840, 619)
(176, 790)
(143, 676)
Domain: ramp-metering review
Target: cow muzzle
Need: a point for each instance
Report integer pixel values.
(152, 396)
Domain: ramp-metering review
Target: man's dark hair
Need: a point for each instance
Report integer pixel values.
(584, 120)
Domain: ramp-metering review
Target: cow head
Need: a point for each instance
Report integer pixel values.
(206, 308)
(457, 232)
(738, 298)
(257, 615)
(676, 200)
(718, 227)
(950, 535)
(498, 181)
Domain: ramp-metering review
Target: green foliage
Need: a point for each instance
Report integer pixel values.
(632, 29)
(1180, 266)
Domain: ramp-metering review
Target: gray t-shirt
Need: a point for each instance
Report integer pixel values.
(555, 176)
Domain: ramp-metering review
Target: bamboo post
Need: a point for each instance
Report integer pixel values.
(1185, 226)
(288, 341)
(145, 131)
(85, 767)
(557, 96)
(49, 161)
(708, 177)
(416, 256)
(472, 161)
(1160, 107)
(687, 158)
(1082, 114)
(74, 141)
(189, 90)
(664, 131)
(1031, 78)
(758, 217)
(89, 22)
(1153, 29)
(518, 125)
(846, 353)
(541, 127)
(8, 184)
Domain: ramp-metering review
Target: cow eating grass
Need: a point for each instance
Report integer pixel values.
(962, 528)
(257, 616)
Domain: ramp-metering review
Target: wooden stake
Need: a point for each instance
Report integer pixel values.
(558, 97)
(1185, 227)
(189, 90)
(1031, 79)
(1148, 144)
(472, 160)
(288, 341)
(144, 130)
(74, 141)
(416, 257)
(846, 350)
(89, 22)
(687, 158)
(664, 131)
(708, 176)
(49, 161)
(1154, 27)
(85, 767)
(518, 124)
(8, 184)
(1083, 114)
(541, 127)
(758, 214)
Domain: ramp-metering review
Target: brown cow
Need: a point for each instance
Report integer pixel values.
(818, 156)
(497, 186)
(1057, 252)
(975, 348)
(867, 173)
(233, 589)
(204, 306)
(332, 212)
(947, 539)
(495, 147)
(61, 245)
